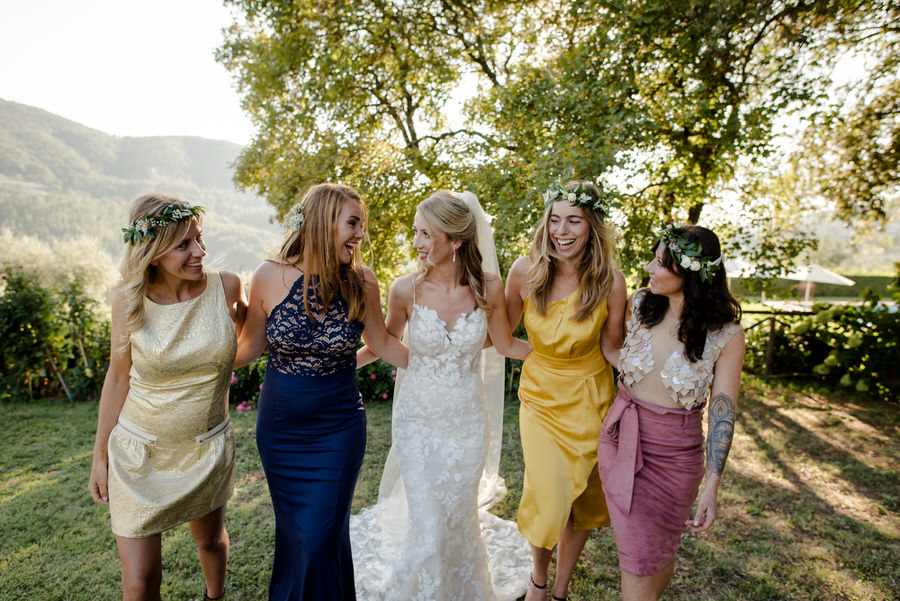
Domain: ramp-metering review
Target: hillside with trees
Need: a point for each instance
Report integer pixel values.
(60, 180)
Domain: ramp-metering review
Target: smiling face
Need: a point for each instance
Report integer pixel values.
(662, 281)
(433, 245)
(348, 230)
(568, 229)
(185, 260)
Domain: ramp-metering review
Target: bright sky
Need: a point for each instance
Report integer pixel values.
(124, 67)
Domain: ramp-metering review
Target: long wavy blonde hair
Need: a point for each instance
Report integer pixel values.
(312, 245)
(596, 271)
(447, 212)
(136, 269)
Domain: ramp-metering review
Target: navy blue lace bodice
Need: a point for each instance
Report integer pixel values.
(320, 346)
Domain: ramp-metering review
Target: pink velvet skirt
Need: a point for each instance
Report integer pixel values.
(651, 463)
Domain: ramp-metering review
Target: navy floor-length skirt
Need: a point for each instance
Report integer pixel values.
(311, 436)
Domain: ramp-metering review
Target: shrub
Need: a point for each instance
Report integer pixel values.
(856, 347)
(245, 384)
(376, 381)
(53, 341)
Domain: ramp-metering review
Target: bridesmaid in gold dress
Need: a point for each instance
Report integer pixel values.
(573, 300)
(164, 451)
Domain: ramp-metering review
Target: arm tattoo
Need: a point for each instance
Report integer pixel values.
(721, 433)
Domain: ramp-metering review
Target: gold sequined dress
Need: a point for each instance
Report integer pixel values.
(171, 454)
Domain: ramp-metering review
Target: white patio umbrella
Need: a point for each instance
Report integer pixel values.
(817, 273)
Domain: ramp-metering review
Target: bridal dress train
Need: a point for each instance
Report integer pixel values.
(427, 539)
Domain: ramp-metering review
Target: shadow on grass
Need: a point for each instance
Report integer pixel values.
(801, 516)
(808, 508)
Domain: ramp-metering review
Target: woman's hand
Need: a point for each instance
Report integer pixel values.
(707, 508)
(99, 482)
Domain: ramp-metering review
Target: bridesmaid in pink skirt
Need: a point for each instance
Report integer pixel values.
(684, 344)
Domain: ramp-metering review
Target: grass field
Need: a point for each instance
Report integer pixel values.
(809, 508)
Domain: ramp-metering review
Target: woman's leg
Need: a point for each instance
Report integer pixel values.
(539, 574)
(141, 567)
(571, 543)
(646, 588)
(212, 546)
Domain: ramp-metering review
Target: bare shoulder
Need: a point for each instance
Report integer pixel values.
(234, 288)
(517, 278)
(493, 282)
(402, 288)
(520, 265)
(737, 339)
(371, 283)
(231, 281)
(268, 269)
(369, 274)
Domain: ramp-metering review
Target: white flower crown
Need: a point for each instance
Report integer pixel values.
(689, 255)
(578, 197)
(146, 227)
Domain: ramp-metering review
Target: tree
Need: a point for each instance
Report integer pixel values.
(358, 92)
(852, 147)
(661, 106)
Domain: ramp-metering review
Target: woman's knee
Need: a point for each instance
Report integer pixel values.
(212, 540)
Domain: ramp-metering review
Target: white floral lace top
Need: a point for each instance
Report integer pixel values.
(646, 351)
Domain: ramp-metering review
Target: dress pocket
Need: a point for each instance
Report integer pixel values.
(129, 450)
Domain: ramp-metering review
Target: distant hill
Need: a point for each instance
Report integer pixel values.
(59, 178)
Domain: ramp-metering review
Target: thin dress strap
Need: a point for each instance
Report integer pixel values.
(413, 279)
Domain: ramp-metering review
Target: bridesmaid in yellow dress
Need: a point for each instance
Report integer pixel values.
(164, 451)
(573, 300)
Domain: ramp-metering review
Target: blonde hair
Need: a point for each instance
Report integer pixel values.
(136, 269)
(312, 244)
(447, 212)
(596, 271)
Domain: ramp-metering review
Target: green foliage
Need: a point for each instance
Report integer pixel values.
(664, 105)
(852, 147)
(854, 347)
(376, 381)
(48, 335)
(246, 382)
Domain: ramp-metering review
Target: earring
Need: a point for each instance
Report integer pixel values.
(454, 254)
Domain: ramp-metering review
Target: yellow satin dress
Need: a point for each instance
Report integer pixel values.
(565, 391)
(171, 454)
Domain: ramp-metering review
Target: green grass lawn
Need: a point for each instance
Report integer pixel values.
(808, 508)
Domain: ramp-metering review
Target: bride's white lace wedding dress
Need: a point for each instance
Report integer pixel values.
(428, 541)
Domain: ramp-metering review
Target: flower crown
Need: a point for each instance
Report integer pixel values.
(578, 197)
(294, 218)
(146, 227)
(689, 255)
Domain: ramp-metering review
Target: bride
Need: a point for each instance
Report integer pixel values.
(429, 537)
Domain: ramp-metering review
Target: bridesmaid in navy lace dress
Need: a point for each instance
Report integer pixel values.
(311, 305)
